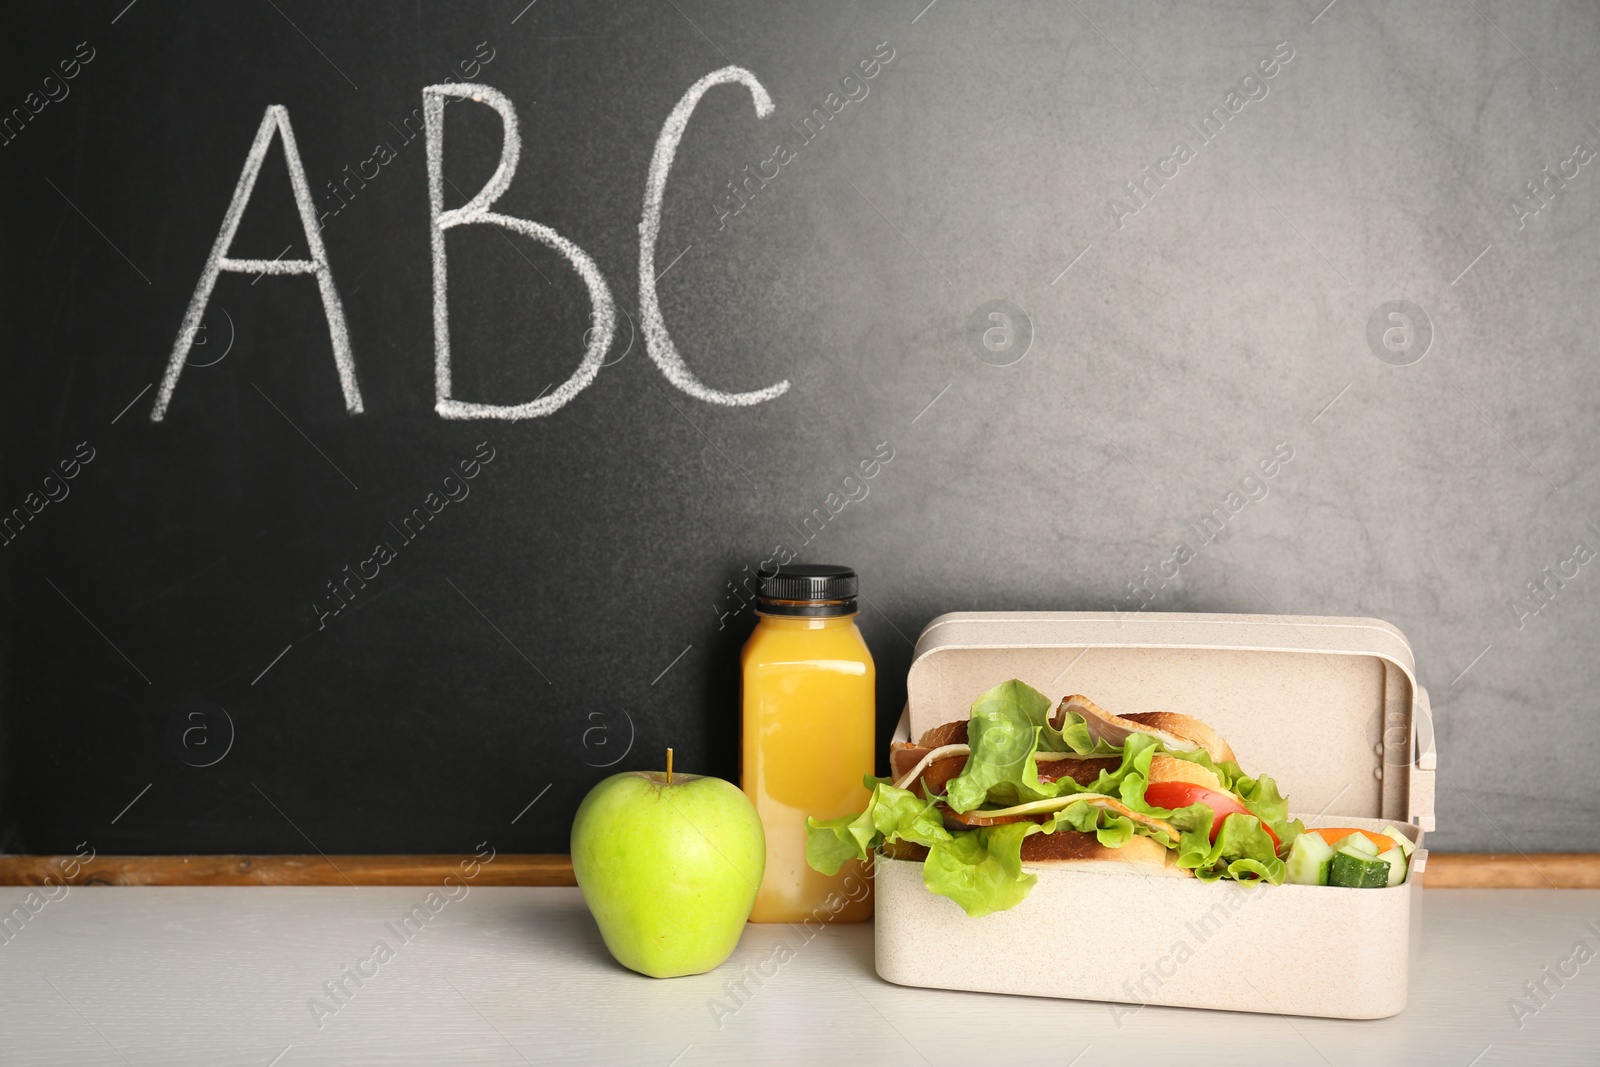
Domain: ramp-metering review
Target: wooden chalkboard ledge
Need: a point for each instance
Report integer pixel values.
(1495, 870)
(314, 869)
(1446, 870)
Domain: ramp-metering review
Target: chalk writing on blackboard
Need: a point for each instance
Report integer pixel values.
(657, 341)
(478, 210)
(276, 120)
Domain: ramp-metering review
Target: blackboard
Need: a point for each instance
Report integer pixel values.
(1000, 304)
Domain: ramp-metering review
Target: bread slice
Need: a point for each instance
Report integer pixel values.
(1189, 728)
(1069, 848)
(903, 850)
(1172, 769)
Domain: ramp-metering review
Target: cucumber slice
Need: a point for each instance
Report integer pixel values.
(1400, 839)
(1359, 842)
(1309, 858)
(1397, 865)
(1355, 869)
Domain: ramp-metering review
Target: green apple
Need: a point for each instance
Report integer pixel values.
(669, 866)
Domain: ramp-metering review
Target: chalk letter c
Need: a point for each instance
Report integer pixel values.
(658, 342)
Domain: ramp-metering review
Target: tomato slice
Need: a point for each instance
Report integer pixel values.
(1182, 794)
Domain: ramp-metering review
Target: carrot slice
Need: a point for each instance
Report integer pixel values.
(1334, 834)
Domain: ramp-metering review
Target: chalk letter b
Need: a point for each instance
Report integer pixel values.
(602, 317)
(276, 119)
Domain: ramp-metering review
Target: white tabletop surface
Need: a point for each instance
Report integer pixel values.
(510, 976)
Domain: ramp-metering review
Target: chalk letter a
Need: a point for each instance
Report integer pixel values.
(657, 341)
(276, 119)
(602, 315)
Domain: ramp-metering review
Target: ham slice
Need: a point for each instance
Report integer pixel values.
(917, 766)
(1114, 729)
(1168, 728)
(1081, 769)
(951, 733)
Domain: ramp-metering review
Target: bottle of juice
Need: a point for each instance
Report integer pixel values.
(808, 736)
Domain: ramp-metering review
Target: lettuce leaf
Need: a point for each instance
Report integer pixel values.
(1007, 726)
(981, 870)
(1261, 796)
(891, 815)
(1112, 830)
(1004, 731)
(1242, 851)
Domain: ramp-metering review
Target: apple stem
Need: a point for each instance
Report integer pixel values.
(669, 766)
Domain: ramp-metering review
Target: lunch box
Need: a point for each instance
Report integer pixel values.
(1329, 707)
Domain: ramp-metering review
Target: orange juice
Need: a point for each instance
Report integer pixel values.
(808, 736)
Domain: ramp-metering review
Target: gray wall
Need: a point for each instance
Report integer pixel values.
(1231, 313)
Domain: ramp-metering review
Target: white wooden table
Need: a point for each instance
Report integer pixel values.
(508, 976)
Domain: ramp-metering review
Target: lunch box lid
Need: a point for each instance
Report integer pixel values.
(1329, 707)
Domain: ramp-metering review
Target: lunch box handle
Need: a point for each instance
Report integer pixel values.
(1419, 807)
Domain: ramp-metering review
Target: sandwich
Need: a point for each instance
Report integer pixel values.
(1017, 785)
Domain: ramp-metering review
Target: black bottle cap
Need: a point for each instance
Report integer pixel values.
(808, 589)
